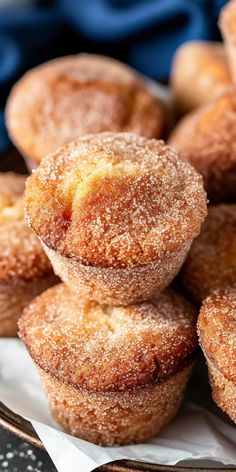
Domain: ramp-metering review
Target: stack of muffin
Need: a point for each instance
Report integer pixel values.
(116, 212)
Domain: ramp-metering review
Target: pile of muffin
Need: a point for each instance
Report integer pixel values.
(114, 211)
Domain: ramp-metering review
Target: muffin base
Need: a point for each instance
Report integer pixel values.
(118, 286)
(15, 296)
(223, 391)
(115, 418)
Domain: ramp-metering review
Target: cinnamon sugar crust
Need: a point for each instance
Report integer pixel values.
(15, 295)
(206, 138)
(25, 270)
(104, 348)
(115, 200)
(21, 254)
(223, 391)
(75, 95)
(118, 286)
(116, 418)
(200, 72)
(211, 261)
(217, 331)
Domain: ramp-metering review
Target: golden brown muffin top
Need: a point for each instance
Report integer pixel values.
(217, 331)
(105, 348)
(21, 254)
(76, 95)
(206, 137)
(115, 200)
(211, 262)
(200, 72)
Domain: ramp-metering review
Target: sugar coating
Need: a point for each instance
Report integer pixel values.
(206, 138)
(200, 72)
(115, 418)
(76, 95)
(21, 255)
(25, 270)
(223, 391)
(227, 26)
(115, 200)
(211, 261)
(217, 331)
(118, 286)
(15, 295)
(105, 348)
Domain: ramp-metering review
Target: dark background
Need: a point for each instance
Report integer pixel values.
(143, 33)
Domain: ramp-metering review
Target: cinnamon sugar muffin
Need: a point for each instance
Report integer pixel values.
(206, 138)
(119, 214)
(200, 72)
(25, 271)
(227, 25)
(76, 95)
(112, 375)
(217, 335)
(211, 262)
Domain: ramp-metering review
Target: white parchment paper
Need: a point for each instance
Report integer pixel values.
(195, 434)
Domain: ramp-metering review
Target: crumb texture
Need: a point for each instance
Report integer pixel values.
(211, 261)
(104, 348)
(115, 199)
(76, 95)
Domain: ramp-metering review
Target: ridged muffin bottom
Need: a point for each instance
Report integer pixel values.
(116, 418)
(118, 286)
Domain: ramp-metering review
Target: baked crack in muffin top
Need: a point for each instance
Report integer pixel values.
(115, 200)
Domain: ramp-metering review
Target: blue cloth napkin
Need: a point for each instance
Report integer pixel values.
(143, 33)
